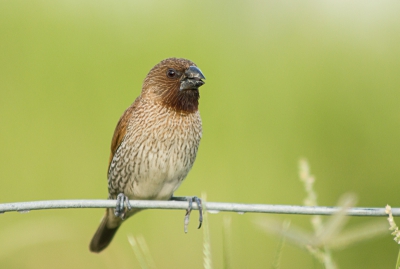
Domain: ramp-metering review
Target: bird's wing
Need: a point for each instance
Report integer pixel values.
(120, 130)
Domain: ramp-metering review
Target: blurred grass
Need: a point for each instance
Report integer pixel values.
(284, 80)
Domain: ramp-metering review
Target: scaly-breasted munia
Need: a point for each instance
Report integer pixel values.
(155, 142)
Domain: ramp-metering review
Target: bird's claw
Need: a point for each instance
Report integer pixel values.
(122, 206)
(190, 200)
(189, 209)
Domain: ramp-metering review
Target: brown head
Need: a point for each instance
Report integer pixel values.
(174, 83)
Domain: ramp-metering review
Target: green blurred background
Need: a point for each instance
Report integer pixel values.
(291, 79)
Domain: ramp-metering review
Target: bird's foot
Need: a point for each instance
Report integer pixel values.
(191, 199)
(122, 206)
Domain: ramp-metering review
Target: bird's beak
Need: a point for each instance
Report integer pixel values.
(192, 79)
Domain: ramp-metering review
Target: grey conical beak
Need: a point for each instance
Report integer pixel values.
(192, 79)
(194, 72)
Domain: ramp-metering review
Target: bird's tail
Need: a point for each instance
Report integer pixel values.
(106, 231)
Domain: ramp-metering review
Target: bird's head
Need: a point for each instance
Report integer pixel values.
(174, 83)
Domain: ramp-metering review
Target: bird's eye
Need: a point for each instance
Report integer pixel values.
(171, 73)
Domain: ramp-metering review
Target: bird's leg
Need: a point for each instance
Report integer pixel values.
(122, 206)
(200, 205)
(190, 199)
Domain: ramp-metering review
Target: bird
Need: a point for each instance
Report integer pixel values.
(155, 143)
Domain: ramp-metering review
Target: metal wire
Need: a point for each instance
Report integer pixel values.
(212, 207)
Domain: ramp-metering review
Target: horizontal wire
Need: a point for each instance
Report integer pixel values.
(212, 207)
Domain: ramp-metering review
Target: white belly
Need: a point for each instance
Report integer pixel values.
(158, 178)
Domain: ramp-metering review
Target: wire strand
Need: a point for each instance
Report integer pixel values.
(212, 207)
